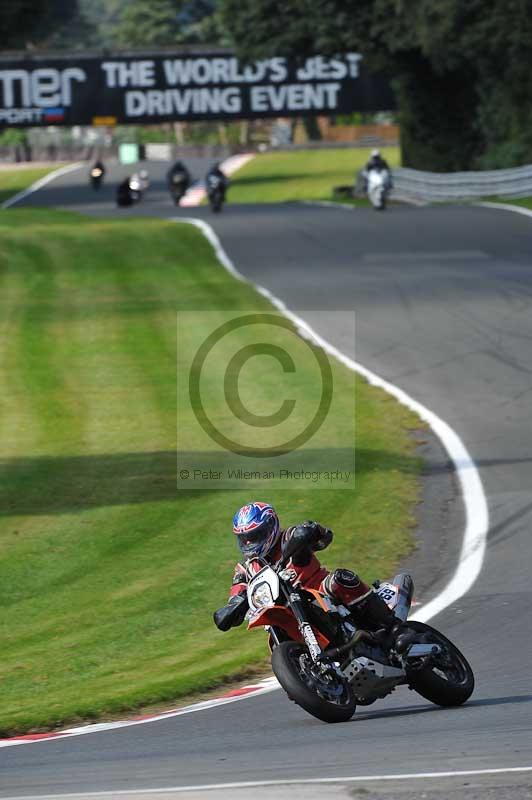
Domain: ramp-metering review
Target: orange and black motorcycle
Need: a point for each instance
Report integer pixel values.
(328, 664)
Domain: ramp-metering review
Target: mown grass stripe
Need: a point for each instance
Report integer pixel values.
(108, 576)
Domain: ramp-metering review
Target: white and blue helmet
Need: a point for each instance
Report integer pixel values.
(256, 526)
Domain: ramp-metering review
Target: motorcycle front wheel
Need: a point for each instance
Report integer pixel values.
(449, 680)
(215, 200)
(326, 696)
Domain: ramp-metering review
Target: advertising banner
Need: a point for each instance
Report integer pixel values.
(153, 88)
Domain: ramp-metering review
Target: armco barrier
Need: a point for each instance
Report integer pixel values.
(412, 184)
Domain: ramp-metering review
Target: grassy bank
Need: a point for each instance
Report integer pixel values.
(108, 574)
(523, 202)
(16, 179)
(301, 175)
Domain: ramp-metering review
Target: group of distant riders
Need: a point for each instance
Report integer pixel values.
(178, 181)
(375, 180)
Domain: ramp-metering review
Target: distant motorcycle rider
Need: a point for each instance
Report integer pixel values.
(256, 526)
(376, 161)
(98, 166)
(97, 174)
(216, 172)
(178, 174)
(124, 193)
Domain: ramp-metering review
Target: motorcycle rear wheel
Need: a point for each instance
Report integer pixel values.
(291, 665)
(450, 680)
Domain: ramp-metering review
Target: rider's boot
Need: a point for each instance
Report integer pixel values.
(393, 632)
(344, 586)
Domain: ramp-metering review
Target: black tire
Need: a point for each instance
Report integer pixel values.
(288, 671)
(216, 202)
(460, 682)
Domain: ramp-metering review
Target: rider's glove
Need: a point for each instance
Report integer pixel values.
(233, 613)
(302, 540)
(299, 537)
(321, 537)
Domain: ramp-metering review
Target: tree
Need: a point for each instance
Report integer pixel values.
(461, 68)
(201, 23)
(39, 24)
(490, 48)
(19, 19)
(148, 23)
(153, 23)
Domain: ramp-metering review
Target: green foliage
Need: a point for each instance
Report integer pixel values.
(41, 24)
(30, 22)
(154, 23)
(201, 23)
(148, 24)
(11, 137)
(18, 20)
(462, 70)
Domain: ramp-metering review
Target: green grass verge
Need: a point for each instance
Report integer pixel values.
(300, 175)
(524, 202)
(108, 575)
(13, 181)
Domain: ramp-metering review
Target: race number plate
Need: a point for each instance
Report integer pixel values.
(389, 594)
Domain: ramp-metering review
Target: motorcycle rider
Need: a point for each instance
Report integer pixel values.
(256, 526)
(376, 161)
(178, 174)
(98, 166)
(144, 178)
(216, 172)
(124, 195)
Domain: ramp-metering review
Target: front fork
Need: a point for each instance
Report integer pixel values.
(308, 635)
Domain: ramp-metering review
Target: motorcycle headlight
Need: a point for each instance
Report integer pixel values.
(262, 596)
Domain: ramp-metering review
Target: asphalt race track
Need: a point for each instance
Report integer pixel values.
(443, 297)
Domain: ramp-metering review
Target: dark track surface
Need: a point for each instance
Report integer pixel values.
(443, 299)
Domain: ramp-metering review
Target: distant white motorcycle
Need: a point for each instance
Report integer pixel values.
(140, 181)
(378, 186)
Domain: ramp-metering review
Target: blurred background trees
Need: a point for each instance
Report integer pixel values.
(462, 69)
(31, 24)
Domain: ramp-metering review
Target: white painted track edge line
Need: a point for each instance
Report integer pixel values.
(473, 547)
(466, 773)
(56, 173)
(261, 687)
(474, 541)
(527, 212)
